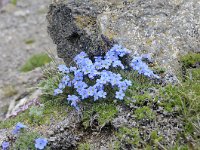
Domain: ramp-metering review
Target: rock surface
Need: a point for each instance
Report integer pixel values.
(165, 29)
(19, 24)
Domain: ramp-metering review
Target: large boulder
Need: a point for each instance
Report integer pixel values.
(165, 29)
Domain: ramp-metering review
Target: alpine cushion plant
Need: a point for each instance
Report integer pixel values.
(91, 77)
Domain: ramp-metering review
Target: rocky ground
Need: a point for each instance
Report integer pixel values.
(20, 24)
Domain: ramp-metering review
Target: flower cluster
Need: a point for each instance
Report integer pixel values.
(98, 72)
(141, 67)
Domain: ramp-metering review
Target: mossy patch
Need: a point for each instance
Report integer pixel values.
(29, 41)
(144, 113)
(85, 21)
(102, 112)
(190, 60)
(128, 136)
(9, 91)
(84, 146)
(155, 138)
(14, 2)
(37, 60)
(184, 99)
(58, 111)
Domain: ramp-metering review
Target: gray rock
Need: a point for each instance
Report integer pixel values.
(165, 29)
(20, 23)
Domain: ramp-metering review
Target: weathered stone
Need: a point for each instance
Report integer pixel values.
(74, 28)
(166, 29)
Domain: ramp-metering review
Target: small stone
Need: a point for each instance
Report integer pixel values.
(61, 129)
(52, 139)
(50, 133)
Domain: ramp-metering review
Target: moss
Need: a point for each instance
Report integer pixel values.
(170, 98)
(128, 136)
(184, 98)
(190, 60)
(180, 147)
(9, 91)
(57, 111)
(85, 21)
(103, 112)
(84, 146)
(155, 138)
(29, 41)
(14, 2)
(159, 70)
(36, 114)
(115, 145)
(148, 41)
(144, 113)
(35, 61)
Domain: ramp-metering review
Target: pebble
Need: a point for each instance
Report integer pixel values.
(50, 133)
(52, 139)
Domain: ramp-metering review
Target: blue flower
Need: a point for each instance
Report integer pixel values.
(63, 69)
(142, 68)
(123, 86)
(120, 95)
(18, 127)
(57, 91)
(65, 79)
(80, 84)
(87, 69)
(98, 58)
(83, 93)
(106, 63)
(99, 86)
(80, 57)
(91, 91)
(61, 86)
(74, 100)
(102, 94)
(93, 74)
(84, 63)
(128, 82)
(5, 145)
(115, 79)
(69, 84)
(72, 69)
(118, 63)
(78, 76)
(40, 143)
